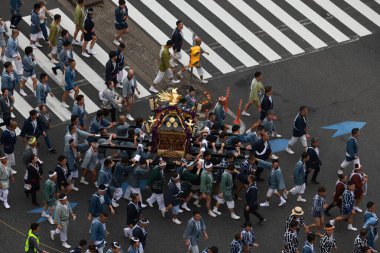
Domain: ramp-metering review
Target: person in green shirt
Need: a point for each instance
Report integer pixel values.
(164, 67)
(156, 182)
(187, 180)
(55, 32)
(79, 21)
(256, 88)
(50, 193)
(206, 187)
(226, 192)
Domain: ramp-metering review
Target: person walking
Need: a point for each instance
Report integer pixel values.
(195, 228)
(276, 182)
(299, 177)
(327, 242)
(55, 32)
(28, 64)
(98, 232)
(352, 148)
(296, 215)
(43, 89)
(62, 213)
(42, 14)
(79, 16)
(290, 239)
(8, 139)
(139, 231)
(36, 31)
(257, 88)
(360, 180)
(174, 195)
(120, 51)
(6, 106)
(50, 194)
(314, 163)
(237, 244)
(340, 187)
(44, 119)
(309, 244)
(64, 56)
(89, 164)
(177, 38)
(156, 182)
(15, 10)
(32, 178)
(112, 68)
(370, 224)
(98, 202)
(80, 248)
(9, 79)
(299, 130)
(32, 243)
(129, 88)
(89, 34)
(110, 101)
(348, 211)
(70, 84)
(12, 54)
(133, 214)
(220, 114)
(319, 204)
(252, 205)
(3, 44)
(5, 177)
(79, 110)
(164, 68)
(121, 25)
(122, 169)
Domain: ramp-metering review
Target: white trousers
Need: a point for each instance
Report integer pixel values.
(120, 76)
(4, 194)
(303, 140)
(117, 193)
(298, 189)
(34, 37)
(157, 197)
(160, 76)
(345, 163)
(130, 189)
(17, 64)
(62, 233)
(193, 249)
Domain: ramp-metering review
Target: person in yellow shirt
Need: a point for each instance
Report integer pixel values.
(79, 15)
(55, 31)
(256, 88)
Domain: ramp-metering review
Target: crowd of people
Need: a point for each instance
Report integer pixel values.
(221, 162)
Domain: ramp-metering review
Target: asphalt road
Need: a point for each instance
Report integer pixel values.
(338, 84)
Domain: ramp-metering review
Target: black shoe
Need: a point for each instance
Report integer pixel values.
(327, 213)
(262, 221)
(54, 71)
(52, 150)
(314, 181)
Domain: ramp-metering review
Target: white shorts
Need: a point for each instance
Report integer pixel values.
(120, 76)
(345, 163)
(303, 140)
(160, 76)
(200, 71)
(270, 192)
(177, 55)
(298, 189)
(11, 159)
(36, 36)
(54, 50)
(25, 78)
(230, 204)
(74, 174)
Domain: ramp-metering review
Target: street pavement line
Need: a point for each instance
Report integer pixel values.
(215, 33)
(318, 20)
(293, 24)
(343, 17)
(267, 27)
(45, 64)
(377, 1)
(365, 10)
(101, 56)
(156, 34)
(170, 20)
(241, 30)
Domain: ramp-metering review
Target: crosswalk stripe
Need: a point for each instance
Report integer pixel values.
(21, 105)
(157, 34)
(343, 17)
(267, 27)
(45, 64)
(292, 23)
(214, 32)
(241, 30)
(365, 10)
(170, 20)
(102, 55)
(17, 130)
(318, 20)
(377, 1)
